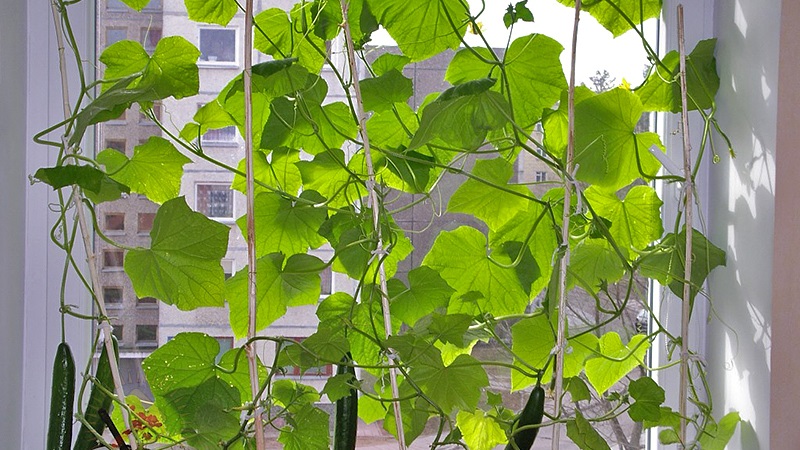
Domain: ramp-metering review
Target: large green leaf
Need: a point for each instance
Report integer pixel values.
(594, 263)
(219, 12)
(186, 381)
(155, 169)
(353, 238)
(494, 206)
(282, 36)
(717, 435)
(533, 340)
(426, 292)
(280, 173)
(619, 16)
(662, 91)
(422, 28)
(533, 76)
(281, 283)
(583, 434)
(415, 413)
(615, 360)
(462, 116)
(328, 175)
(392, 129)
(98, 186)
(182, 266)
(666, 263)
(307, 429)
(328, 18)
(210, 116)
(380, 93)
(285, 226)
(480, 431)
(368, 319)
(649, 396)
(635, 220)
(462, 260)
(608, 152)
(437, 381)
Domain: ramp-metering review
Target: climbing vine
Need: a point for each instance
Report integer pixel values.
(329, 173)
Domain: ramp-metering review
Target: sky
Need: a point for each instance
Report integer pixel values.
(623, 57)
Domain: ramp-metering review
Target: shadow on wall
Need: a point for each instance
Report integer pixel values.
(742, 215)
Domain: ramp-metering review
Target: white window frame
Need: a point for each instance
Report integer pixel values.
(215, 63)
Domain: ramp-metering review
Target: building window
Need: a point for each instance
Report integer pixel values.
(220, 136)
(227, 267)
(215, 200)
(540, 176)
(146, 302)
(112, 296)
(144, 222)
(144, 120)
(326, 281)
(116, 144)
(114, 222)
(117, 331)
(218, 46)
(115, 34)
(149, 37)
(113, 259)
(146, 335)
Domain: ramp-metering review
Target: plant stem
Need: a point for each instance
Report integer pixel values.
(374, 204)
(252, 290)
(562, 291)
(688, 189)
(104, 325)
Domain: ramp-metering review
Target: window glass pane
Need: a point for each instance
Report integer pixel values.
(112, 295)
(146, 334)
(541, 176)
(144, 222)
(224, 135)
(113, 259)
(217, 45)
(117, 331)
(116, 5)
(146, 301)
(227, 268)
(115, 34)
(116, 144)
(115, 222)
(215, 200)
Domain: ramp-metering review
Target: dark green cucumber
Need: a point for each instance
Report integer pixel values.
(346, 425)
(62, 399)
(97, 400)
(532, 414)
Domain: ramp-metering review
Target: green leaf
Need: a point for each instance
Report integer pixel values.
(535, 78)
(172, 70)
(370, 410)
(494, 206)
(285, 226)
(138, 5)
(380, 93)
(437, 383)
(281, 173)
(282, 36)
(124, 58)
(462, 260)
(615, 361)
(392, 129)
(328, 15)
(186, 382)
(422, 28)
(515, 13)
(281, 283)
(388, 62)
(205, 412)
(649, 396)
(339, 386)
(662, 92)
(426, 293)
(182, 265)
(606, 145)
(581, 432)
(353, 238)
(414, 416)
(666, 263)
(447, 328)
(368, 318)
(91, 180)
(307, 429)
(666, 418)
(210, 116)
(481, 432)
(533, 340)
(334, 307)
(155, 169)
(635, 220)
(610, 13)
(594, 263)
(292, 395)
(328, 175)
(219, 12)
(462, 116)
(717, 435)
(578, 391)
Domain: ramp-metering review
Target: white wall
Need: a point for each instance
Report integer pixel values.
(741, 216)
